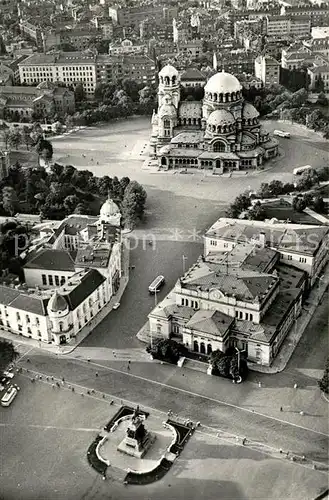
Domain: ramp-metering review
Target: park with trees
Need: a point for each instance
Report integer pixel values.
(64, 190)
(308, 181)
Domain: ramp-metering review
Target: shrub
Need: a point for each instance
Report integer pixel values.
(167, 350)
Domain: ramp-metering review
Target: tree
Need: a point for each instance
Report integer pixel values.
(129, 210)
(44, 149)
(124, 182)
(9, 200)
(8, 354)
(79, 93)
(322, 100)
(167, 350)
(81, 209)
(15, 138)
(70, 203)
(3, 50)
(307, 180)
(6, 136)
(299, 203)
(324, 382)
(257, 212)
(318, 204)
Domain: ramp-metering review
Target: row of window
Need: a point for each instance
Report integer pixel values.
(246, 316)
(190, 303)
(20, 328)
(52, 280)
(302, 260)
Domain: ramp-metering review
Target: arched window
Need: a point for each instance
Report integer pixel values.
(209, 349)
(215, 97)
(195, 346)
(167, 81)
(174, 80)
(166, 123)
(202, 348)
(61, 326)
(219, 147)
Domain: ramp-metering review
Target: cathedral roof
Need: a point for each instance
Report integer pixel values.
(249, 111)
(220, 117)
(168, 70)
(223, 83)
(167, 110)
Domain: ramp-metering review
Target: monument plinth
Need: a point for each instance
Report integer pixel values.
(137, 440)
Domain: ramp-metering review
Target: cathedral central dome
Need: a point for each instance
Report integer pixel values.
(223, 83)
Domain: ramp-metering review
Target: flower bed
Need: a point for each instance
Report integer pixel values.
(93, 459)
(149, 477)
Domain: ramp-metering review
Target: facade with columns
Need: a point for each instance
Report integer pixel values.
(220, 133)
(71, 272)
(242, 292)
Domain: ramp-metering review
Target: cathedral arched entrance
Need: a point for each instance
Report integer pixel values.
(163, 161)
(218, 164)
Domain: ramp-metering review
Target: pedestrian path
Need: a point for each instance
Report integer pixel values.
(107, 354)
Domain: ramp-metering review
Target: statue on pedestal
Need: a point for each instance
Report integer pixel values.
(138, 439)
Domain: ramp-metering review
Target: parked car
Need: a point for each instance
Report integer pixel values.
(281, 133)
(8, 374)
(116, 305)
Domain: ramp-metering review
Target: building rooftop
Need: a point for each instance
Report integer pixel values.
(289, 237)
(231, 280)
(211, 322)
(49, 259)
(93, 255)
(192, 75)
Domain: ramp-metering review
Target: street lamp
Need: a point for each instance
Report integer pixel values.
(184, 260)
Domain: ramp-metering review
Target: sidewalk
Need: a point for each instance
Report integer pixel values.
(291, 340)
(86, 330)
(296, 332)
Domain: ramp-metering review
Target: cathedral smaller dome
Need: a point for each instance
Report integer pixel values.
(168, 70)
(109, 208)
(221, 117)
(57, 303)
(249, 111)
(167, 110)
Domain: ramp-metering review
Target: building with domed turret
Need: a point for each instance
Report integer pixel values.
(220, 133)
(71, 273)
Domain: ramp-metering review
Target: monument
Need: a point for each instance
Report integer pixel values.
(137, 440)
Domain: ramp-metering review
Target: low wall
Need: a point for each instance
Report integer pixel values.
(99, 456)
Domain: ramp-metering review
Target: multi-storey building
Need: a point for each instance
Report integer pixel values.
(245, 291)
(283, 27)
(138, 67)
(133, 16)
(71, 273)
(319, 73)
(126, 47)
(70, 68)
(267, 69)
(43, 100)
(32, 32)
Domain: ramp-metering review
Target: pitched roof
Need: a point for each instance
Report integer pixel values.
(212, 322)
(89, 282)
(56, 260)
(7, 295)
(193, 74)
(30, 304)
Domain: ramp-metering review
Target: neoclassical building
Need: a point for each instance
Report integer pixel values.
(221, 133)
(72, 270)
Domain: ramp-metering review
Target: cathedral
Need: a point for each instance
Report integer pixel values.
(221, 133)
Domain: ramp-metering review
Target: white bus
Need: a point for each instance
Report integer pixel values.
(300, 170)
(156, 284)
(281, 133)
(9, 396)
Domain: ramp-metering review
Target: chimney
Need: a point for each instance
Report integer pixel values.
(262, 239)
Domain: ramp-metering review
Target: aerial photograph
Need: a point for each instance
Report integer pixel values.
(164, 270)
